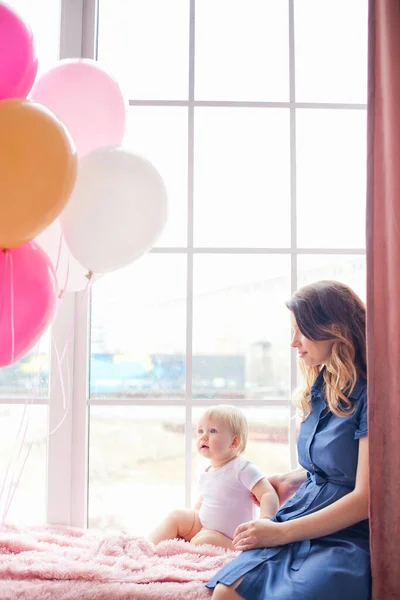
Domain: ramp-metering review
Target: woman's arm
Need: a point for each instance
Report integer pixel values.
(343, 513)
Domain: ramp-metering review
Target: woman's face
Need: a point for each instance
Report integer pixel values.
(312, 353)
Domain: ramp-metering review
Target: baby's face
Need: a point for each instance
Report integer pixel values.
(215, 440)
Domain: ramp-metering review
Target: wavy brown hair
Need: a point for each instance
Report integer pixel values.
(329, 310)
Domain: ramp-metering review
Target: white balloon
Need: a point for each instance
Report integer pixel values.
(116, 211)
(71, 275)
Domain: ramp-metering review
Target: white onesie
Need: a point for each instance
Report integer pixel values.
(226, 496)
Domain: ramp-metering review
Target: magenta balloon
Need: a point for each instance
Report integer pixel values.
(88, 101)
(25, 85)
(28, 295)
(18, 63)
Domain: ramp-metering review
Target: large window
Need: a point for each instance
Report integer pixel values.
(256, 120)
(255, 116)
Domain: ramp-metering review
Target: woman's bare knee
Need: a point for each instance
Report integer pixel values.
(222, 592)
(227, 592)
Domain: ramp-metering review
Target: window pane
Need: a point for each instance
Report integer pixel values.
(136, 466)
(138, 333)
(267, 444)
(241, 330)
(29, 376)
(242, 50)
(242, 177)
(331, 50)
(145, 44)
(44, 18)
(29, 502)
(331, 178)
(350, 270)
(160, 134)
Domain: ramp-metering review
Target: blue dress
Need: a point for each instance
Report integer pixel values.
(333, 567)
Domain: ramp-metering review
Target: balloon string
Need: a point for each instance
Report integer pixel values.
(67, 275)
(63, 289)
(60, 360)
(3, 288)
(64, 395)
(10, 258)
(59, 252)
(8, 255)
(25, 425)
(71, 331)
(68, 382)
(16, 484)
(12, 482)
(60, 373)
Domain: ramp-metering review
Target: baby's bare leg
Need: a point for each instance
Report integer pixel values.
(215, 538)
(184, 523)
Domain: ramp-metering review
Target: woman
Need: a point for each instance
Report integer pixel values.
(317, 545)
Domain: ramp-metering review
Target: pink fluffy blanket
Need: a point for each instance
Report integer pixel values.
(65, 563)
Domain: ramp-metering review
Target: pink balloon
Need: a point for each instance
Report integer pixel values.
(18, 63)
(88, 101)
(28, 294)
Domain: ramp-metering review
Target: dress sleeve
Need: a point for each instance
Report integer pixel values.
(362, 417)
(249, 475)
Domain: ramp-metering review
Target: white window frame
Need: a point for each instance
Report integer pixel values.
(67, 451)
(67, 473)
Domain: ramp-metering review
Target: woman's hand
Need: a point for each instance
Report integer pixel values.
(287, 484)
(283, 486)
(258, 534)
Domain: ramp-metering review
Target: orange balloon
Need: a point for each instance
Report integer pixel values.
(38, 166)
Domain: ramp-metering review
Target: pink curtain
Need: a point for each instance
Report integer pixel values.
(383, 294)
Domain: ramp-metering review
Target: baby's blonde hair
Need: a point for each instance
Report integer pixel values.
(233, 418)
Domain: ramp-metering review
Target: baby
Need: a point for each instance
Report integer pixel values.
(226, 486)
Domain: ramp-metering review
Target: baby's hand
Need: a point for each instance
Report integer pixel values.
(254, 498)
